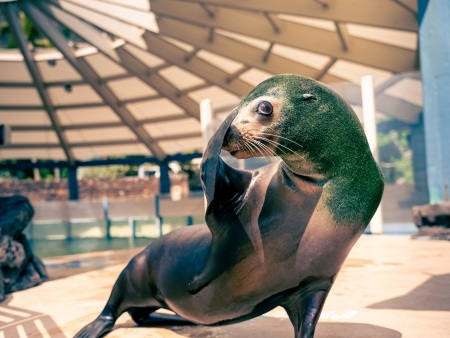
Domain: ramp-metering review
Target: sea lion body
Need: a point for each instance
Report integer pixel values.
(275, 236)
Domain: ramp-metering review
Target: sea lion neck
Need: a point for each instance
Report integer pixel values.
(300, 167)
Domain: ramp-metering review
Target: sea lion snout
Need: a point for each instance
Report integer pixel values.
(231, 140)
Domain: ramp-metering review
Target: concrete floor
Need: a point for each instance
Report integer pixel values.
(390, 286)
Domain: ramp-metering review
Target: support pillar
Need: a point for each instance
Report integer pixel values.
(370, 128)
(206, 121)
(36, 172)
(434, 44)
(73, 184)
(164, 179)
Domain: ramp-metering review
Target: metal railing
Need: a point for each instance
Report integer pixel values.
(69, 213)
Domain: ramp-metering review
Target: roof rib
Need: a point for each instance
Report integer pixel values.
(236, 50)
(196, 65)
(91, 77)
(128, 61)
(304, 37)
(11, 13)
(380, 13)
(99, 125)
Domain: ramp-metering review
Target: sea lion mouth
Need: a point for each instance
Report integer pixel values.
(230, 140)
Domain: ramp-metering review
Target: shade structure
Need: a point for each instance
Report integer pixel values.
(132, 81)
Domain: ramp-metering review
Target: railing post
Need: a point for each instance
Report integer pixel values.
(158, 218)
(106, 217)
(68, 230)
(132, 224)
(189, 220)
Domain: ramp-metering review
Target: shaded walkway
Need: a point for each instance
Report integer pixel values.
(390, 286)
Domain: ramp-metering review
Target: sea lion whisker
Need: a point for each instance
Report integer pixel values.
(276, 144)
(251, 144)
(252, 151)
(265, 139)
(263, 147)
(241, 145)
(282, 137)
(282, 145)
(258, 148)
(247, 146)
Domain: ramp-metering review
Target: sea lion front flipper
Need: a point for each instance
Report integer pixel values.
(221, 211)
(304, 312)
(211, 160)
(304, 308)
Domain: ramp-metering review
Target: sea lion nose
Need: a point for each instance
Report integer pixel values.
(231, 135)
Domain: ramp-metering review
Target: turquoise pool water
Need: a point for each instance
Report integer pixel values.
(50, 248)
(50, 241)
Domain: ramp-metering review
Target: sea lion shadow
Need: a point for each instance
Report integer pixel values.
(269, 327)
(431, 295)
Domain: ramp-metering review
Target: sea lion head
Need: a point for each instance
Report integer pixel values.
(298, 119)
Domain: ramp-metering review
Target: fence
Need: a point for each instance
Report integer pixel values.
(78, 217)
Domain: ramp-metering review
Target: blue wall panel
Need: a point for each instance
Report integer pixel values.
(434, 42)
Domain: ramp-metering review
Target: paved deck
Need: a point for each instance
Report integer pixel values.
(390, 286)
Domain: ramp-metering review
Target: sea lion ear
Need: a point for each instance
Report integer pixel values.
(308, 97)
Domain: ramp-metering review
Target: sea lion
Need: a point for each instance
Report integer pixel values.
(275, 236)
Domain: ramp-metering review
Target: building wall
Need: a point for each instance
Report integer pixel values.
(434, 42)
(91, 189)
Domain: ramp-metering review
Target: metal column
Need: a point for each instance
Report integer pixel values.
(164, 179)
(370, 128)
(73, 184)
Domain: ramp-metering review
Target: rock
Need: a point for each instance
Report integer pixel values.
(12, 253)
(19, 267)
(15, 214)
(433, 233)
(432, 214)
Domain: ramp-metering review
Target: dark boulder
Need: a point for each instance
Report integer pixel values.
(19, 267)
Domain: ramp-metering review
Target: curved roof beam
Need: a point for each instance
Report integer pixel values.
(287, 65)
(81, 105)
(88, 74)
(61, 83)
(98, 125)
(82, 24)
(305, 37)
(161, 85)
(237, 50)
(101, 143)
(88, 33)
(11, 14)
(195, 65)
(380, 13)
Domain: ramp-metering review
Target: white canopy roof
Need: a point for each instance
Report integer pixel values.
(134, 85)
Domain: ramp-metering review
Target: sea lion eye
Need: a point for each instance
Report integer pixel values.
(308, 97)
(264, 108)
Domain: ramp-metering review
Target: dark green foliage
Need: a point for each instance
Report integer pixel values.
(396, 155)
(31, 32)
